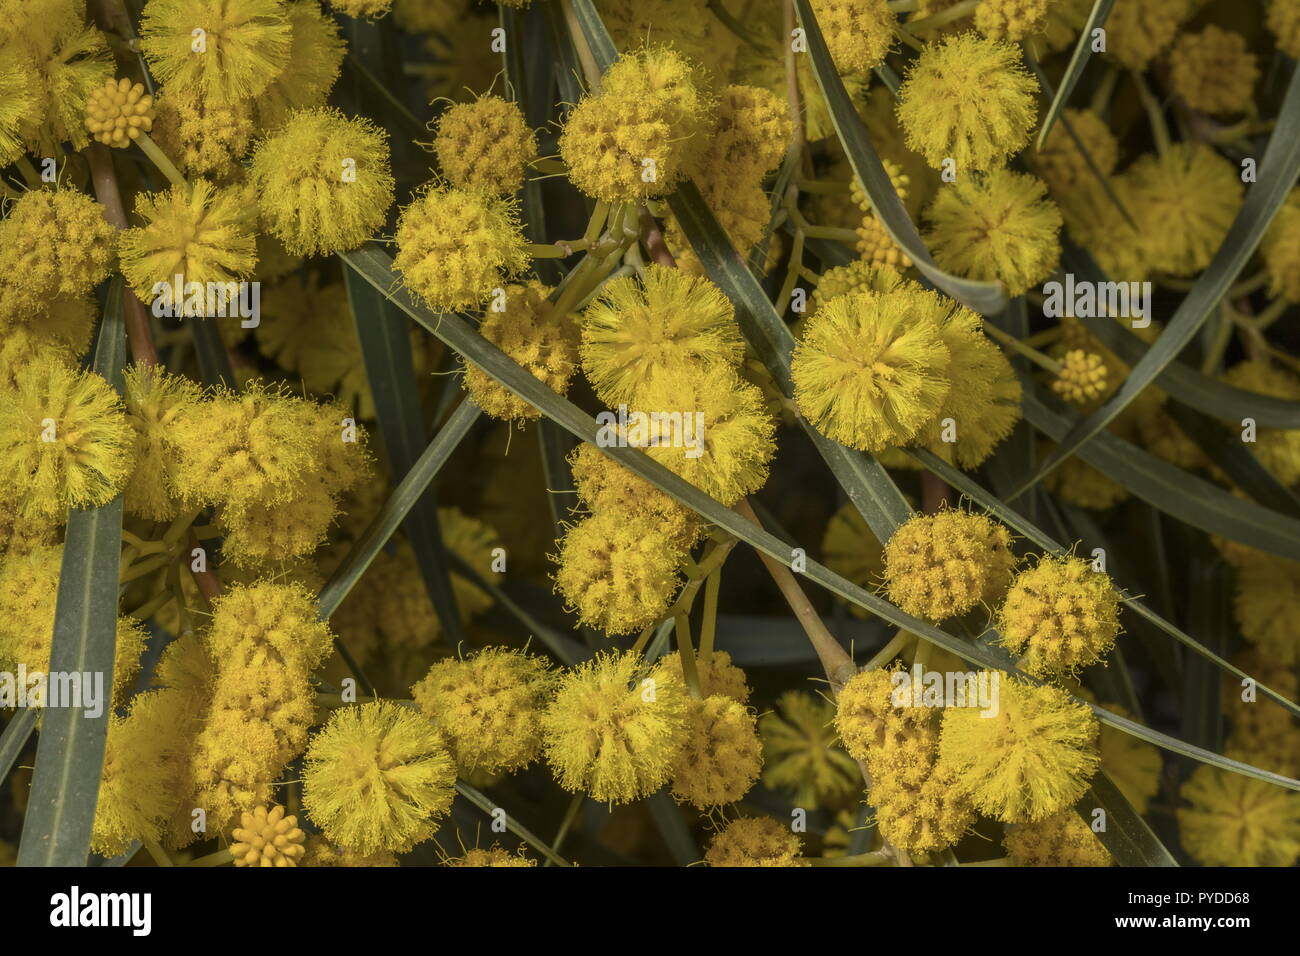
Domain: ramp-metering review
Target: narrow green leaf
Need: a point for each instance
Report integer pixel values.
(214, 360)
(1078, 59)
(677, 835)
(1210, 615)
(1278, 170)
(598, 38)
(1176, 492)
(375, 266)
(1128, 838)
(70, 750)
(385, 338)
(983, 297)
(16, 734)
(484, 803)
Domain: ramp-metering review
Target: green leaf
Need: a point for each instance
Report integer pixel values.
(598, 38)
(16, 734)
(1210, 615)
(983, 297)
(375, 266)
(1128, 838)
(385, 339)
(1278, 170)
(1175, 492)
(70, 750)
(1078, 59)
(214, 360)
(677, 835)
(484, 803)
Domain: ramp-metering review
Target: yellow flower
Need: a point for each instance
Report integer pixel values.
(53, 242)
(1267, 604)
(1061, 615)
(1063, 839)
(751, 138)
(860, 275)
(1281, 249)
(1278, 449)
(485, 144)
(617, 575)
(891, 739)
(851, 550)
(362, 8)
(1284, 23)
(1139, 30)
(666, 321)
(755, 841)
(1060, 161)
(859, 33)
(802, 752)
(118, 112)
(64, 441)
(1011, 19)
(643, 133)
(938, 566)
(924, 816)
(1235, 820)
(203, 138)
(316, 52)
(240, 45)
(199, 232)
(997, 226)
(871, 368)
(1082, 378)
(611, 734)
(605, 486)
(722, 756)
(718, 676)
(154, 398)
(1213, 71)
(486, 707)
(323, 181)
(968, 99)
(1030, 760)
(267, 839)
(377, 777)
(455, 247)
(494, 856)
(20, 104)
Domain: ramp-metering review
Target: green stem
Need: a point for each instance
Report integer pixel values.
(1013, 343)
(709, 627)
(159, 159)
(891, 650)
(687, 651)
(1159, 128)
(953, 13)
(874, 858)
(570, 815)
(220, 858)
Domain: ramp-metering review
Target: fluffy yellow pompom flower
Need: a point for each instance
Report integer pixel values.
(870, 370)
(667, 321)
(203, 138)
(53, 242)
(851, 550)
(485, 145)
(455, 246)
(860, 275)
(1235, 820)
(751, 138)
(617, 573)
(802, 752)
(267, 839)
(486, 707)
(1284, 23)
(316, 52)
(20, 105)
(968, 99)
(719, 677)
(1061, 615)
(886, 736)
(228, 50)
(377, 777)
(64, 441)
(1132, 764)
(1011, 19)
(493, 856)
(1083, 377)
(282, 618)
(1063, 839)
(755, 841)
(1060, 161)
(1278, 449)
(1267, 604)
(725, 441)
(1281, 250)
(362, 8)
(1138, 31)
(997, 226)
(941, 565)
(722, 756)
(1213, 71)
(1032, 758)
(925, 816)
(612, 734)
(527, 331)
(118, 112)
(605, 486)
(323, 182)
(1195, 194)
(154, 398)
(643, 133)
(202, 233)
(858, 32)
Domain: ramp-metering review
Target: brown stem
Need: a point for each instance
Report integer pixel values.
(934, 492)
(210, 585)
(654, 240)
(138, 334)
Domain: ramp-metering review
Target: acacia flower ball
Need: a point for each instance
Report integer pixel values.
(1195, 194)
(64, 441)
(858, 33)
(873, 727)
(1060, 161)
(871, 368)
(377, 777)
(802, 752)
(53, 242)
(1083, 377)
(618, 574)
(201, 137)
(967, 99)
(860, 275)
(603, 485)
(494, 856)
(941, 565)
(201, 233)
(1281, 250)
(1063, 839)
(643, 133)
(1284, 23)
(1030, 760)
(1139, 30)
(323, 182)
(667, 321)
(455, 246)
(486, 707)
(722, 757)
(1011, 19)
(530, 332)
(922, 815)
(485, 144)
(1235, 820)
(1060, 614)
(240, 45)
(154, 398)
(118, 112)
(755, 841)
(1213, 71)
(20, 104)
(752, 136)
(613, 733)
(267, 839)
(718, 676)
